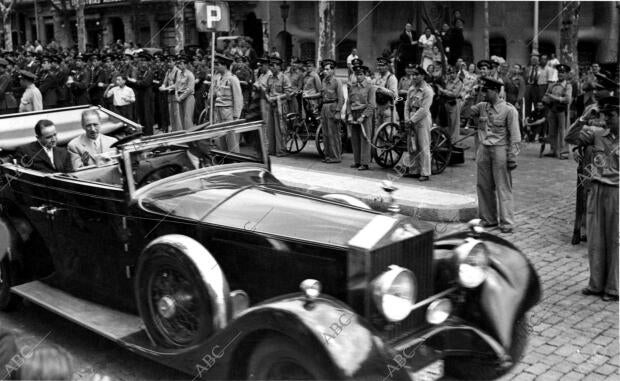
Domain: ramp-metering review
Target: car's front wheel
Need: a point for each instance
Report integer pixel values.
(475, 368)
(279, 358)
(172, 299)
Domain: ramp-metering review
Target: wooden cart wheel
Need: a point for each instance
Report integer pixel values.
(388, 145)
(441, 150)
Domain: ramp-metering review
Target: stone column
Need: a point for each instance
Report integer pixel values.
(128, 28)
(179, 26)
(28, 28)
(365, 29)
(153, 29)
(326, 32)
(265, 37)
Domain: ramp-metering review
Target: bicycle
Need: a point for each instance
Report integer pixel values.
(390, 142)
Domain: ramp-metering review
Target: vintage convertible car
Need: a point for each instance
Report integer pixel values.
(183, 247)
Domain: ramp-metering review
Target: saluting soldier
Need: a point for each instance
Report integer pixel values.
(78, 83)
(128, 69)
(499, 136)
(143, 86)
(450, 95)
(278, 90)
(360, 110)
(97, 81)
(227, 97)
(48, 83)
(416, 162)
(387, 89)
(168, 87)
(558, 97)
(333, 100)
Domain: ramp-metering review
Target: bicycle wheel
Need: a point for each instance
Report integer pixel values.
(441, 150)
(387, 148)
(319, 140)
(296, 134)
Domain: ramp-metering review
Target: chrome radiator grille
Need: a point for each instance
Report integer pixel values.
(415, 254)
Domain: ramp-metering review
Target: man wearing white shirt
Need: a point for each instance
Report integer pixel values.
(87, 149)
(552, 73)
(123, 97)
(350, 59)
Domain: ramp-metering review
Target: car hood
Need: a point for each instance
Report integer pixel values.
(249, 200)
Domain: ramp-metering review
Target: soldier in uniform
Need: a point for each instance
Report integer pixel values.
(311, 87)
(78, 83)
(277, 92)
(450, 96)
(64, 96)
(246, 79)
(295, 75)
(143, 86)
(97, 81)
(558, 97)
(48, 83)
(386, 90)
(602, 199)
(360, 109)
(5, 82)
(160, 98)
(127, 69)
(403, 88)
(227, 97)
(168, 87)
(499, 135)
(185, 85)
(416, 162)
(333, 100)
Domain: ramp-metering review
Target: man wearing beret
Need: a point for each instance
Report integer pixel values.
(417, 161)
(227, 97)
(32, 100)
(360, 108)
(5, 81)
(277, 92)
(558, 97)
(499, 136)
(386, 92)
(602, 199)
(333, 100)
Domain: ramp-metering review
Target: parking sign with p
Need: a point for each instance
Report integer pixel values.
(212, 16)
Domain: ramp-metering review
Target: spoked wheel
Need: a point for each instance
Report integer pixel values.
(278, 358)
(172, 299)
(441, 150)
(389, 145)
(297, 134)
(319, 140)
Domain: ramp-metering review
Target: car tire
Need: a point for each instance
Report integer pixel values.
(8, 301)
(475, 368)
(172, 299)
(279, 358)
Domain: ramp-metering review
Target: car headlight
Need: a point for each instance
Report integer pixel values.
(472, 261)
(394, 292)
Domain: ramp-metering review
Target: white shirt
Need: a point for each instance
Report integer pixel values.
(350, 58)
(50, 153)
(122, 96)
(552, 72)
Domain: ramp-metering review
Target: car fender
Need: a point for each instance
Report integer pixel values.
(350, 347)
(512, 286)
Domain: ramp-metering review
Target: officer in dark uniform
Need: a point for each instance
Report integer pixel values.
(48, 83)
(97, 81)
(143, 87)
(80, 80)
(160, 99)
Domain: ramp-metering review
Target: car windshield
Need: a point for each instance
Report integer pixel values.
(183, 153)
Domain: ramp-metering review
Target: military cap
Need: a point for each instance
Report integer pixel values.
(328, 61)
(27, 75)
(356, 62)
(245, 58)
(360, 68)
(262, 60)
(223, 59)
(145, 56)
(308, 61)
(3, 62)
(608, 104)
(561, 68)
(410, 65)
(182, 58)
(275, 60)
(491, 84)
(418, 69)
(483, 63)
(605, 82)
(383, 61)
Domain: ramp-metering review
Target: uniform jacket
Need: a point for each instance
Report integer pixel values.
(418, 106)
(48, 85)
(5, 81)
(33, 156)
(82, 144)
(228, 92)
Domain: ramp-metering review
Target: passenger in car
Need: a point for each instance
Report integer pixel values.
(43, 154)
(87, 149)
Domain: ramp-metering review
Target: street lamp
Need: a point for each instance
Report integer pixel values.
(284, 8)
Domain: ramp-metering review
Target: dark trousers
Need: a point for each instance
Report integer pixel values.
(533, 95)
(144, 111)
(127, 111)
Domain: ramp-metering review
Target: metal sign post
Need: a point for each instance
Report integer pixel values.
(212, 16)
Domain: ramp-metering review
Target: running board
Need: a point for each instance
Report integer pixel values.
(107, 322)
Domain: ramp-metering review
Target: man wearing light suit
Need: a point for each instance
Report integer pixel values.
(87, 148)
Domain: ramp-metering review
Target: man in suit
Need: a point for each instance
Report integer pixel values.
(43, 155)
(87, 149)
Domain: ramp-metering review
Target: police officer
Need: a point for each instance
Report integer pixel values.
(227, 97)
(558, 97)
(360, 109)
(160, 98)
(143, 87)
(48, 83)
(417, 161)
(450, 95)
(278, 90)
(80, 80)
(386, 91)
(333, 100)
(97, 80)
(499, 136)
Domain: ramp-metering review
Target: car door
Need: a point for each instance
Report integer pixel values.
(89, 223)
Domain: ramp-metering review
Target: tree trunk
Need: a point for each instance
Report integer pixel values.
(327, 33)
(486, 30)
(568, 35)
(62, 33)
(179, 26)
(81, 25)
(8, 38)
